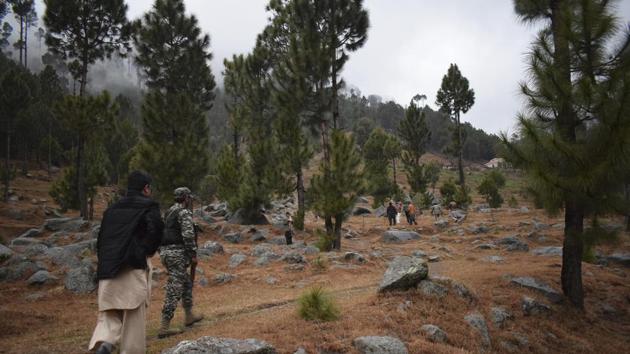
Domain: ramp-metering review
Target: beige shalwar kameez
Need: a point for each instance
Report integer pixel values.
(122, 303)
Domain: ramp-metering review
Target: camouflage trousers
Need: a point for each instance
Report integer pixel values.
(178, 286)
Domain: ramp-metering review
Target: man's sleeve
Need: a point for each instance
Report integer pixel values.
(155, 229)
(188, 231)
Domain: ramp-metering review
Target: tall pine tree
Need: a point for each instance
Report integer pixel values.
(455, 97)
(414, 135)
(174, 56)
(575, 136)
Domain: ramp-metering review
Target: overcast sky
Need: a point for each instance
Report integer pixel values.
(409, 48)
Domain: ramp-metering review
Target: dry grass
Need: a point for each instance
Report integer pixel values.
(250, 307)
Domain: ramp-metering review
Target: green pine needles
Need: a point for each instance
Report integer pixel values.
(317, 305)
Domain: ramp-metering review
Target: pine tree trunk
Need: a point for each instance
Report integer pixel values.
(572, 250)
(49, 143)
(325, 147)
(26, 45)
(394, 171)
(301, 198)
(460, 152)
(80, 165)
(21, 40)
(337, 239)
(7, 168)
(329, 225)
(25, 161)
(333, 54)
(628, 205)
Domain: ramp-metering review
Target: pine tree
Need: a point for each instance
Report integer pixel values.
(575, 136)
(335, 188)
(455, 97)
(52, 92)
(174, 54)
(25, 14)
(379, 184)
(174, 145)
(414, 135)
(85, 31)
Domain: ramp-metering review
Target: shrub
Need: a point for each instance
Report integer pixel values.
(316, 304)
(512, 202)
(447, 191)
(324, 241)
(320, 263)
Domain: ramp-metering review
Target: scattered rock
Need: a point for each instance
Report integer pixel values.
(300, 351)
(31, 233)
(5, 253)
(547, 251)
(531, 283)
(434, 258)
(363, 200)
(476, 321)
(80, 280)
(399, 236)
(294, 268)
(271, 281)
(458, 215)
(20, 269)
(240, 218)
(434, 333)
(479, 229)
(380, 211)
(223, 278)
(486, 246)
(259, 236)
(524, 210)
(41, 277)
(531, 307)
(236, 260)
(430, 288)
(23, 241)
(279, 240)
(403, 273)
(310, 250)
(293, 258)
(210, 248)
(379, 345)
(65, 224)
(62, 257)
(354, 257)
(35, 249)
(418, 254)
(620, 258)
(499, 316)
(359, 210)
(494, 259)
(265, 258)
(513, 243)
(217, 345)
(441, 224)
(233, 237)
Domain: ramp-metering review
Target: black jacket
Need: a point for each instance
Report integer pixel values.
(392, 211)
(130, 231)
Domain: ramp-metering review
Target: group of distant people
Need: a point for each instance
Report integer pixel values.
(394, 212)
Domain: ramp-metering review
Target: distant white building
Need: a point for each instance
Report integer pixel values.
(495, 163)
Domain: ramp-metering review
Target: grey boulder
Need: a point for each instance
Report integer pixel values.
(65, 224)
(379, 345)
(214, 345)
(476, 321)
(80, 280)
(404, 273)
(399, 236)
(531, 307)
(545, 289)
(548, 251)
(434, 333)
(41, 277)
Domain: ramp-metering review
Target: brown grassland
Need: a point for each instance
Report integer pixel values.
(250, 307)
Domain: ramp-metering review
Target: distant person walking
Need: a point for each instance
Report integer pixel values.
(411, 211)
(288, 235)
(131, 231)
(178, 254)
(436, 211)
(391, 214)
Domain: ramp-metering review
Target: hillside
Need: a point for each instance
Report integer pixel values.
(259, 301)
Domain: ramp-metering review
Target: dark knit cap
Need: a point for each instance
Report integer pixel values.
(137, 180)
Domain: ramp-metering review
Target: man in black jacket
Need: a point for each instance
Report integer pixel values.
(131, 231)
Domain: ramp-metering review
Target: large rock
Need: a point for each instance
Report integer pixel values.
(404, 273)
(548, 251)
(441, 224)
(19, 270)
(434, 333)
(379, 345)
(210, 248)
(479, 229)
(620, 258)
(531, 283)
(214, 345)
(499, 316)
(476, 321)
(380, 211)
(240, 217)
(62, 257)
(35, 249)
(354, 257)
(236, 260)
(431, 288)
(458, 215)
(293, 257)
(5, 253)
(531, 307)
(359, 210)
(513, 243)
(79, 247)
(259, 250)
(233, 237)
(31, 233)
(399, 236)
(23, 241)
(81, 280)
(65, 224)
(258, 235)
(41, 277)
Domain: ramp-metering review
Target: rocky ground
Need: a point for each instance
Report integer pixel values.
(489, 283)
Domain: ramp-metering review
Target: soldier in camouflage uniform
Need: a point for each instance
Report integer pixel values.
(178, 253)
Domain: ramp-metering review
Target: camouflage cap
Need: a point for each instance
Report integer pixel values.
(182, 192)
